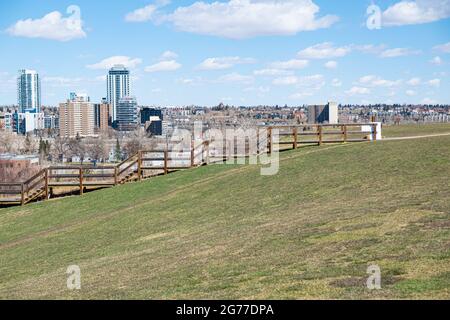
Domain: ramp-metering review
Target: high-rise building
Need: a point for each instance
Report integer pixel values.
(101, 117)
(76, 117)
(118, 86)
(28, 91)
(127, 114)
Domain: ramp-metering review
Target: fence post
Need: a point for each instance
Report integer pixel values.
(81, 181)
(192, 153)
(22, 199)
(257, 141)
(320, 135)
(295, 133)
(374, 132)
(139, 165)
(46, 184)
(345, 133)
(165, 161)
(116, 169)
(224, 149)
(207, 151)
(269, 140)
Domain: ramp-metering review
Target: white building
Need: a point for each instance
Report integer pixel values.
(118, 86)
(333, 113)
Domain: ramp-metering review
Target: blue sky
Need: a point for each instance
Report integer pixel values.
(242, 52)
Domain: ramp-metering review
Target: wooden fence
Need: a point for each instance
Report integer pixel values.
(57, 181)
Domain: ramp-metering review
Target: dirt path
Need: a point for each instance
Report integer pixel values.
(417, 137)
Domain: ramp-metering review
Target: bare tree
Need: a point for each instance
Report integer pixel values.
(60, 148)
(9, 142)
(77, 148)
(135, 142)
(97, 149)
(29, 145)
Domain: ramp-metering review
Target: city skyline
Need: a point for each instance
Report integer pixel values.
(180, 53)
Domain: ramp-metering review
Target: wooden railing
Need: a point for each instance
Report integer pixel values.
(62, 180)
(321, 134)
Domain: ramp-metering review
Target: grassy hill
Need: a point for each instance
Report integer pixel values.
(225, 231)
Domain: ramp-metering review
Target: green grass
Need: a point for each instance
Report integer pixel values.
(405, 130)
(225, 231)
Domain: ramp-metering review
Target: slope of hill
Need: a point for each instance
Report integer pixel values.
(225, 231)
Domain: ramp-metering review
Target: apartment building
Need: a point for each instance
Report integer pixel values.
(76, 117)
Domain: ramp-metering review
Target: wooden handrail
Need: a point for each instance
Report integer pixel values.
(128, 167)
(169, 156)
(37, 175)
(126, 160)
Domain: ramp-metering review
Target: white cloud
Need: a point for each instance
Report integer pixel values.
(260, 89)
(375, 81)
(191, 81)
(398, 52)
(272, 72)
(411, 93)
(290, 64)
(223, 63)
(286, 81)
(358, 91)
(313, 81)
(443, 47)
(52, 26)
(68, 82)
(168, 55)
(370, 48)
(236, 78)
(308, 86)
(324, 50)
(429, 101)
(434, 83)
(108, 63)
(336, 83)
(163, 66)
(8, 82)
(146, 13)
(436, 61)
(240, 19)
(142, 14)
(331, 65)
(416, 12)
(414, 81)
(302, 94)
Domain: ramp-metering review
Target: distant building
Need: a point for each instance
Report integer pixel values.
(101, 117)
(118, 86)
(28, 91)
(323, 113)
(146, 113)
(14, 168)
(6, 121)
(51, 122)
(27, 122)
(76, 117)
(127, 114)
(154, 126)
